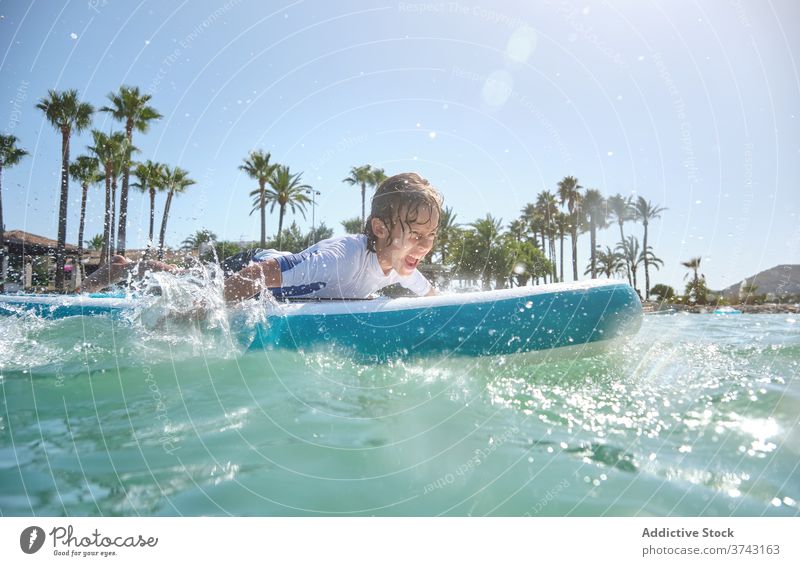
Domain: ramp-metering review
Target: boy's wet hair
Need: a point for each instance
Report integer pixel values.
(406, 194)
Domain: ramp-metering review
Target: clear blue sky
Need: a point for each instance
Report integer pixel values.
(693, 105)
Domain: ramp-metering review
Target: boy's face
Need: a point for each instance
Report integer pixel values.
(407, 247)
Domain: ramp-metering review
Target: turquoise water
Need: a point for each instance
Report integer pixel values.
(696, 415)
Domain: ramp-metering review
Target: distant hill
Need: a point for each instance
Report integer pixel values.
(779, 281)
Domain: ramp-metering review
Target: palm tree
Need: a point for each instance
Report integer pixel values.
(535, 217)
(85, 171)
(66, 114)
(447, 226)
(697, 285)
(151, 180)
(197, 239)
(609, 263)
(122, 155)
(258, 167)
(647, 257)
(645, 211)
(569, 193)
(539, 228)
(594, 205)
(518, 229)
(108, 148)
(353, 225)
(129, 105)
(361, 176)
(96, 243)
(10, 155)
(487, 233)
(619, 209)
(694, 265)
(630, 251)
(530, 215)
(286, 190)
(562, 226)
(547, 203)
(376, 177)
(488, 230)
(176, 181)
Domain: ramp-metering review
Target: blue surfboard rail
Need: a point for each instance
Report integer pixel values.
(476, 324)
(486, 323)
(63, 306)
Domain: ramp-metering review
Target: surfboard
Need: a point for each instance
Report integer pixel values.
(506, 321)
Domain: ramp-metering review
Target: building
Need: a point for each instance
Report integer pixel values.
(30, 255)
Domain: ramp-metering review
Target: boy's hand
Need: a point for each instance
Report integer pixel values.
(251, 280)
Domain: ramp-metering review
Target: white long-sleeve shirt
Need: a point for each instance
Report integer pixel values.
(339, 267)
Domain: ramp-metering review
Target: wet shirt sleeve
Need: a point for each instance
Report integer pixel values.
(309, 271)
(416, 283)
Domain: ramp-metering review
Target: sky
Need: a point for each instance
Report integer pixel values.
(693, 105)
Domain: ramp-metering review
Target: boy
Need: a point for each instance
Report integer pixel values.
(398, 234)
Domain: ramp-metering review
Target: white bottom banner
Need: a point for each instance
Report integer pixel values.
(353, 541)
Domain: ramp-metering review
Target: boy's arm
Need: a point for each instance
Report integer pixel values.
(418, 284)
(251, 280)
(119, 268)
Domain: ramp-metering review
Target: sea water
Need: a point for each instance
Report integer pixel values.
(697, 415)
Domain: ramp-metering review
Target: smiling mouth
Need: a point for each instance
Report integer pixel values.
(411, 262)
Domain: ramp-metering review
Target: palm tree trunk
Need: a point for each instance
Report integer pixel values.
(627, 263)
(562, 258)
(263, 194)
(62, 211)
(123, 215)
(545, 249)
(542, 248)
(2, 238)
(646, 265)
(163, 232)
(152, 214)
(593, 242)
(123, 197)
(112, 241)
(280, 225)
(363, 204)
(105, 256)
(81, 225)
(575, 253)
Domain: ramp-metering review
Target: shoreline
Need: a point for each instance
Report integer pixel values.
(767, 308)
